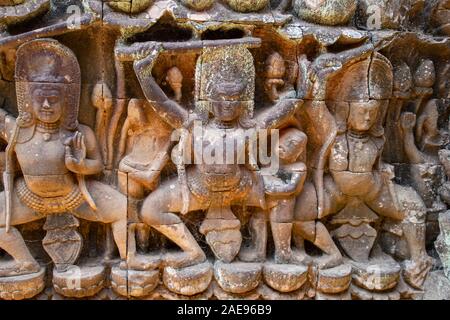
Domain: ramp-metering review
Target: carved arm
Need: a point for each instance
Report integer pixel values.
(291, 187)
(276, 115)
(407, 122)
(169, 110)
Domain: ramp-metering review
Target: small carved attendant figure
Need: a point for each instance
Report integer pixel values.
(143, 151)
(282, 190)
(422, 146)
(54, 154)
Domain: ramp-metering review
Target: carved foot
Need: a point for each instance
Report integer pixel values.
(327, 261)
(300, 257)
(183, 259)
(141, 262)
(415, 272)
(251, 254)
(13, 268)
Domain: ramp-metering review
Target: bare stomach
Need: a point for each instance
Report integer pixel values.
(221, 177)
(50, 185)
(356, 183)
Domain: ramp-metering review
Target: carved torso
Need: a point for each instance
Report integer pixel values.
(353, 161)
(219, 167)
(43, 165)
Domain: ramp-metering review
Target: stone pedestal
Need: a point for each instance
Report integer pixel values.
(238, 277)
(132, 283)
(79, 281)
(188, 281)
(22, 287)
(285, 277)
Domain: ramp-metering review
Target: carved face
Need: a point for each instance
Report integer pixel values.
(47, 102)
(291, 145)
(226, 100)
(363, 115)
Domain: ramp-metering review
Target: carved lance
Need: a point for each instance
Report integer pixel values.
(8, 175)
(141, 50)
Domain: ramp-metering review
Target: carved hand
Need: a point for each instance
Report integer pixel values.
(150, 52)
(407, 120)
(75, 152)
(324, 66)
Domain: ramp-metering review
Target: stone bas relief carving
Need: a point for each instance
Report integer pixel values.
(224, 150)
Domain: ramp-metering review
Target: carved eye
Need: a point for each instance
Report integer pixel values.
(53, 99)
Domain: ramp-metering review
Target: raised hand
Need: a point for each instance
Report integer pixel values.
(75, 152)
(146, 55)
(407, 120)
(324, 66)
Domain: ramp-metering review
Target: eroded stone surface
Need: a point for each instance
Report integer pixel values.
(134, 149)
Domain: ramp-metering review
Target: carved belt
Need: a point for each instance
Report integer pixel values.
(52, 205)
(204, 193)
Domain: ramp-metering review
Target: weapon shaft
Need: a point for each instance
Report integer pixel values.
(140, 50)
(8, 176)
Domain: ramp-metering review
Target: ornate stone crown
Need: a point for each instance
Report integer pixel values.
(46, 61)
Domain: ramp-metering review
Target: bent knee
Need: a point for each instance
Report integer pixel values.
(306, 204)
(154, 212)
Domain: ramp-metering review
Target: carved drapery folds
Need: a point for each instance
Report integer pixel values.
(224, 149)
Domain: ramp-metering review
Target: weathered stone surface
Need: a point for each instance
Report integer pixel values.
(334, 280)
(339, 296)
(130, 6)
(442, 243)
(188, 281)
(300, 147)
(79, 282)
(198, 4)
(436, 287)
(328, 12)
(238, 277)
(23, 286)
(363, 294)
(377, 274)
(133, 283)
(247, 5)
(285, 277)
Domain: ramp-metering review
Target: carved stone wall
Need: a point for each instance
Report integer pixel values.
(229, 149)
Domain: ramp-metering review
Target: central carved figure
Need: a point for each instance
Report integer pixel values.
(224, 100)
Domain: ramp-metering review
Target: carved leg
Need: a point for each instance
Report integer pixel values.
(281, 217)
(143, 236)
(323, 241)
(157, 212)
(13, 243)
(318, 234)
(256, 252)
(111, 208)
(417, 268)
(306, 226)
(411, 212)
(24, 263)
(281, 233)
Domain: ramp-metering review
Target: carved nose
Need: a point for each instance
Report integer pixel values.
(46, 105)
